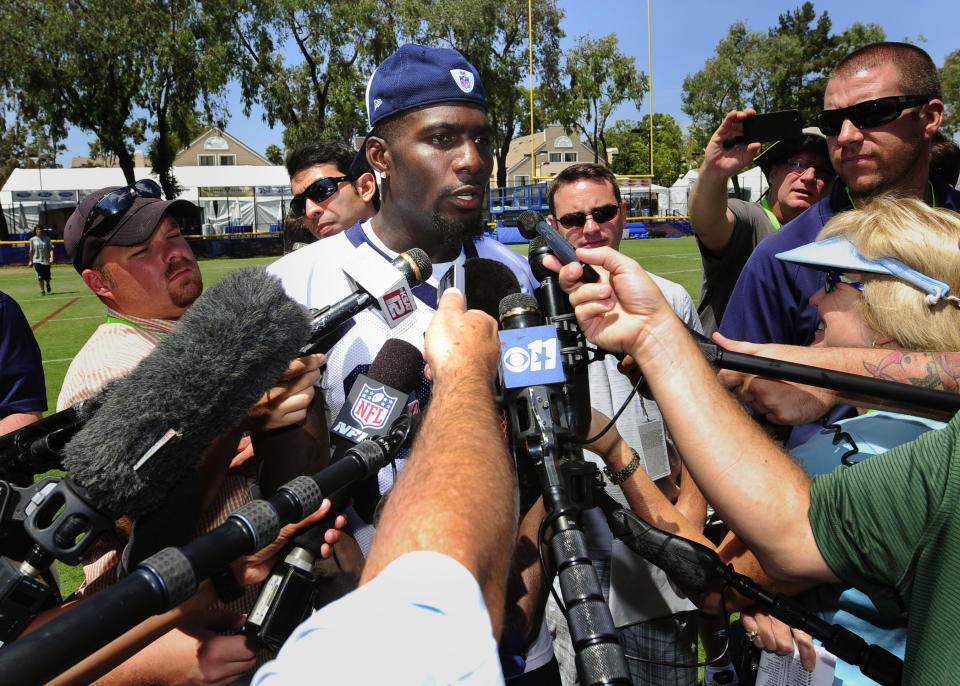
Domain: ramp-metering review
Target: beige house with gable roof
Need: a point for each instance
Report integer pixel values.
(554, 150)
(217, 148)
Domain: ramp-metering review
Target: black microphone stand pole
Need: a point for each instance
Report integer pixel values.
(920, 400)
(692, 565)
(599, 655)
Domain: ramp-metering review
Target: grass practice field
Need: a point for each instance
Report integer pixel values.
(65, 319)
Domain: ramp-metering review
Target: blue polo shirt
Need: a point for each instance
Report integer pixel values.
(22, 387)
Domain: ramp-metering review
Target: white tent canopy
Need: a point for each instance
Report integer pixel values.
(753, 184)
(254, 196)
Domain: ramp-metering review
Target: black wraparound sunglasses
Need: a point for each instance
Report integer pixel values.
(111, 207)
(601, 214)
(870, 113)
(318, 191)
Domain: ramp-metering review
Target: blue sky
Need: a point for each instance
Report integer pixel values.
(685, 33)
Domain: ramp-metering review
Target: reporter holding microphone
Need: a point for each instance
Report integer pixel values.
(887, 526)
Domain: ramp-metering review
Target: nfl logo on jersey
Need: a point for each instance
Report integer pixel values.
(372, 407)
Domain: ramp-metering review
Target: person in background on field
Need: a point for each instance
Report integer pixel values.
(41, 257)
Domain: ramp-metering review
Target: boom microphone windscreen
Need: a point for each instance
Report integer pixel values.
(153, 424)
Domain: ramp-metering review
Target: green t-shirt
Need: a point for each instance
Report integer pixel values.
(890, 526)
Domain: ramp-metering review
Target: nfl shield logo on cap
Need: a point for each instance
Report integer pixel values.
(463, 79)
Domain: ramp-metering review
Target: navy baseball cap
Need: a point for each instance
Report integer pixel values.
(414, 76)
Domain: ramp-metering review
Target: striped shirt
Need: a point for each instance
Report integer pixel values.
(113, 350)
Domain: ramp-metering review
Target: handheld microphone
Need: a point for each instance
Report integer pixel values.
(386, 285)
(530, 224)
(374, 403)
(573, 346)
(689, 564)
(154, 424)
(376, 408)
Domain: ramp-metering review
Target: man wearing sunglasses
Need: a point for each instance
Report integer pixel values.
(799, 174)
(587, 209)
(881, 109)
(126, 244)
(326, 195)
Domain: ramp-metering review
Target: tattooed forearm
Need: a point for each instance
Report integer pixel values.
(940, 371)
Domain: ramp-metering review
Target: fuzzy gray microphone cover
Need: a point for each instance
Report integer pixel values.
(155, 423)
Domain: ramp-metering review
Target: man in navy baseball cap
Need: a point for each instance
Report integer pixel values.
(415, 76)
(429, 143)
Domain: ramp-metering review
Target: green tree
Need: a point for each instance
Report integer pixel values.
(785, 68)
(274, 154)
(632, 141)
(726, 82)
(99, 156)
(319, 92)
(115, 74)
(187, 67)
(72, 63)
(950, 77)
(600, 78)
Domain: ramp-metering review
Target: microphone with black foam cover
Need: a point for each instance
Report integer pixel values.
(386, 285)
(483, 282)
(155, 423)
(691, 565)
(375, 408)
(375, 402)
(532, 224)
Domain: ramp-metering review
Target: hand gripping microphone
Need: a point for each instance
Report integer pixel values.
(693, 566)
(531, 224)
(376, 408)
(386, 285)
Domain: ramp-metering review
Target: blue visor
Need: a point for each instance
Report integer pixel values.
(840, 254)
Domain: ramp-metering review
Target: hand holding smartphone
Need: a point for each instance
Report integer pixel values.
(767, 128)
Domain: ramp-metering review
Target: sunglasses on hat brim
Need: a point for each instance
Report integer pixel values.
(111, 207)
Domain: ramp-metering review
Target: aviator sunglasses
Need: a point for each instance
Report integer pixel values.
(318, 191)
(601, 214)
(112, 206)
(870, 113)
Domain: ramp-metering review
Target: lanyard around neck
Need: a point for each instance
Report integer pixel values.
(770, 215)
(933, 196)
